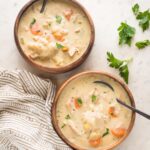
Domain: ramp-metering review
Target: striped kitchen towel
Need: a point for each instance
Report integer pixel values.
(25, 113)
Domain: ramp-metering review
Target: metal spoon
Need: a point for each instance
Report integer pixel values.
(105, 83)
(122, 103)
(134, 109)
(43, 6)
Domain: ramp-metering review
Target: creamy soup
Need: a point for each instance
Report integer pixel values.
(88, 114)
(57, 37)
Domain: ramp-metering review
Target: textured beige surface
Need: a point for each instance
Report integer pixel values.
(107, 15)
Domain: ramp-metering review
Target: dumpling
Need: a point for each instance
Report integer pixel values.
(41, 51)
(58, 59)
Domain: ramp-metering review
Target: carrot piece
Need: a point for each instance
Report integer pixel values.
(95, 143)
(68, 13)
(77, 103)
(119, 132)
(35, 29)
(65, 49)
(58, 36)
(111, 111)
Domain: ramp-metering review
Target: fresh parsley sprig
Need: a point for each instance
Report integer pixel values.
(121, 65)
(143, 17)
(142, 44)
(126, 33)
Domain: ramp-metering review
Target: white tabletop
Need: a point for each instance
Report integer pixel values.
(107, 15)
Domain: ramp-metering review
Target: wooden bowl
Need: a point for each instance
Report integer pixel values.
(59, 69)
(60, 90)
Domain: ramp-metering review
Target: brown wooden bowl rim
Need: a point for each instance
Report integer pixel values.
(54, 106)
(67, 68)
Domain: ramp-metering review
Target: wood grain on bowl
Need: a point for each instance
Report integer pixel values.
(63, 46)
(75, 124)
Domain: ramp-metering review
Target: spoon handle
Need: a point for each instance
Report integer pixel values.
(134, 109)
(43, 6)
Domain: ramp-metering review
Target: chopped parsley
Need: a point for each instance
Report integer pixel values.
(142, 44)
(63, 126)
(121, 65)
(94, 98)
(32, 22)
(22, 41)
(126, 33)
(49, 24)
(106, 132)
(79, 100)
(58, 19)
(59, 46)
(68, 117)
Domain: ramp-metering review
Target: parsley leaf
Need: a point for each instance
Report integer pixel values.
(79, 100)
(32, 22)
(142, 44)
(67, 116)
(124, 72)
(58, 19)
(143, 17)
(135, 9)
(106, 132)
(114, 62)
(59, 46)
(121, 65)
(126, 34)
(94, 98)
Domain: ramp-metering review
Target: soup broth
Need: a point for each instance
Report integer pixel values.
(88, 114)
(57, 37)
